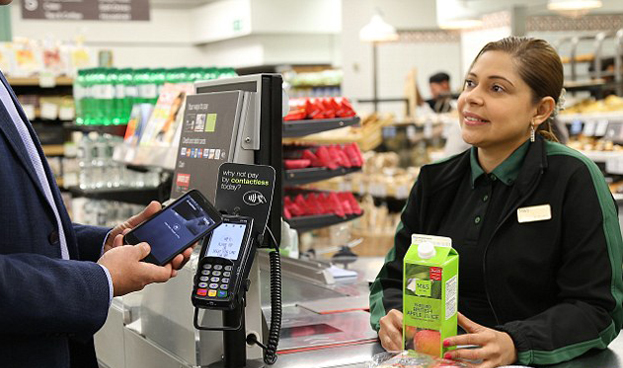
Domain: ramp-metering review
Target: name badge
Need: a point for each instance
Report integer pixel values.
(534, 213)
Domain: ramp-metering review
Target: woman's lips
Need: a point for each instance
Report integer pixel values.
(472, 119)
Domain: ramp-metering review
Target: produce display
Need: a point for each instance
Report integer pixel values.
(320, 203)
(320, 108)
(331, 157)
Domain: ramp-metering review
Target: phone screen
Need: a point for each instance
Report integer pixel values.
(175, 227)
(226, 241)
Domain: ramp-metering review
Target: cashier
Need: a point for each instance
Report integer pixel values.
(533, 221)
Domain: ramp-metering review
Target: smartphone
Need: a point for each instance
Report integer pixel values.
(176, 227)
(226, 258)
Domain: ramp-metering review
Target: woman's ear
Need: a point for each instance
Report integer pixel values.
(544, 109)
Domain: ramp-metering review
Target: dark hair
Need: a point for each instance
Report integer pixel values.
(439, 78)
(539, 66)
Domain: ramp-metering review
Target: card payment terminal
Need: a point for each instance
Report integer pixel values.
(226, 257)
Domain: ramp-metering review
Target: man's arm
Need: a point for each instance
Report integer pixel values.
(41, 295)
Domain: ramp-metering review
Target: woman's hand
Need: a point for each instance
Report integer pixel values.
(495, 348)
(390, 332)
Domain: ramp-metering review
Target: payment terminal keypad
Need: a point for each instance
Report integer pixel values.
(215, 278)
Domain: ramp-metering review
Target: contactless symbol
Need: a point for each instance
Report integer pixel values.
(254, 198)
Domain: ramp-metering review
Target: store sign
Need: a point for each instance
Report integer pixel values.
(115, 10)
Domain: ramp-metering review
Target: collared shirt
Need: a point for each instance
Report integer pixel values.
(471, 222)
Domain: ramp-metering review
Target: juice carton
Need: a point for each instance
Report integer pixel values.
(430, 294)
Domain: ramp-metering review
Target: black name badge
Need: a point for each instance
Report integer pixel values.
(246, 190)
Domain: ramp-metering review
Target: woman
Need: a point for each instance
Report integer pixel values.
(542, 285)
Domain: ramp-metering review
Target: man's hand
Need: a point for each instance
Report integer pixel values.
(131, 223)
(127, 272)
(495, 348)
(390, 332)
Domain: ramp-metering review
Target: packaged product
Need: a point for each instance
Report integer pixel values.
(430, 294)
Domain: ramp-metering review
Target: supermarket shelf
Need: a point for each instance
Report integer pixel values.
(110, 129)
(141, 196)
(314, 174)
(53, 149)
(602, 156)
(299, 128)
(34, 81)
(571, 86)
(308, 223)
(596, 116)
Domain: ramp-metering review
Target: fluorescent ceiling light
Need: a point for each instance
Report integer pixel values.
(377, 30)
(573, 8)
(454, 14)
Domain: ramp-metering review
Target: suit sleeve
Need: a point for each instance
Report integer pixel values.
(386, 290)
(90, 241)
(589, 314)
(41, 295)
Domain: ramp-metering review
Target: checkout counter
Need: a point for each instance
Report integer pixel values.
(323, 324)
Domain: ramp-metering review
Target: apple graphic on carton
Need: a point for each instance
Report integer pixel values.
(428, 342)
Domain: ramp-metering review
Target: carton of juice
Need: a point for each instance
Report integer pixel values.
(430, 294)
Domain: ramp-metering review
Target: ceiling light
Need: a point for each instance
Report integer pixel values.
(377, 30)
(573, 8)
(454, 14)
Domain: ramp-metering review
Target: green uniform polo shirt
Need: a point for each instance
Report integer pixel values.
(472, 217)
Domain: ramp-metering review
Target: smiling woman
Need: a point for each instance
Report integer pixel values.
(533, 221)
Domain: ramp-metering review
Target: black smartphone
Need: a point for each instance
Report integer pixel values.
(226, 258)
(176, 227)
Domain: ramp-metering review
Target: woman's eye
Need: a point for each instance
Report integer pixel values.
(497, 88)
(469, 83)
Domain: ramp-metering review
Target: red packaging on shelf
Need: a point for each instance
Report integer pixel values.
(324, 156)
(296, 164)
(300, 202)
(337, 205)
(313, 159)
(354, 154)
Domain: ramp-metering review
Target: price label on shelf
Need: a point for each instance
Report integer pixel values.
(66, 113)
(49, 111)
(614, 165)
(602, 127)
(47, 80)
(589, 128)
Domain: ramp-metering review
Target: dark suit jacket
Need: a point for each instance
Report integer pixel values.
(49, 308)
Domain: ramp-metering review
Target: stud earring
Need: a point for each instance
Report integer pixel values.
(532, 132)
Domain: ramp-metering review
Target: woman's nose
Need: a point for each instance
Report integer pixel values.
(474, 96)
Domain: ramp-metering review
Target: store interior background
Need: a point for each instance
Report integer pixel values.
(247, 34)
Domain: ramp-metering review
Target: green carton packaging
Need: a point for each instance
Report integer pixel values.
(430, 294)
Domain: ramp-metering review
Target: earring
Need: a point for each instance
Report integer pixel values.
(531, 131)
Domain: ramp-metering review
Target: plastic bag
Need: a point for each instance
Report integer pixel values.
(411, 359)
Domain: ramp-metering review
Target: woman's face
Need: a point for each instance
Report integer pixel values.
(495, 107)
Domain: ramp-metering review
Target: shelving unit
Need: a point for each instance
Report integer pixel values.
(299, 128)
(53, 150)
(311, 175)
(142, 196)
(308, 223)
(37, 81)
